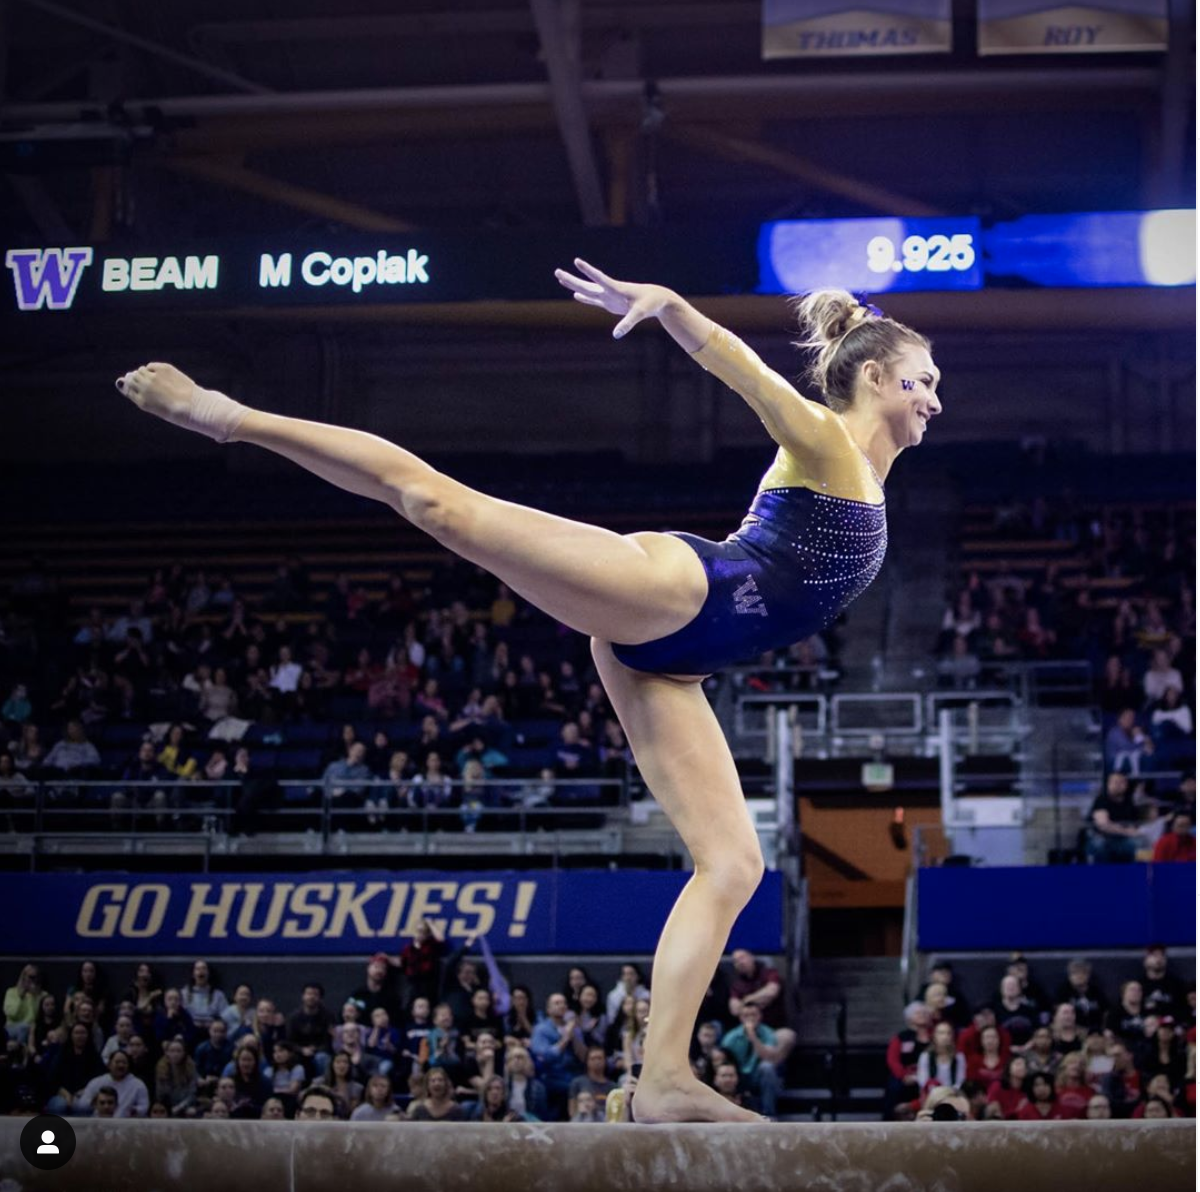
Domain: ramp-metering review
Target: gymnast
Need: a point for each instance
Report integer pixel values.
(664, 610)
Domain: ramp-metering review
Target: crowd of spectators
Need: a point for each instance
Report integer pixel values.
(434, 682)
(1139, 639)
(1022, 1055)
(428, 1035)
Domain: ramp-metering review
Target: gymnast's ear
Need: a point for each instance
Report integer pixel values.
(871, 371)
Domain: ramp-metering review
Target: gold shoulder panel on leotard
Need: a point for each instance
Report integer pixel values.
(815, 448)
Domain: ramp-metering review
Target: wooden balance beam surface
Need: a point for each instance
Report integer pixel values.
(252, 1156)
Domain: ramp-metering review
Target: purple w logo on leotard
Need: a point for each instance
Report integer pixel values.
(747, 600)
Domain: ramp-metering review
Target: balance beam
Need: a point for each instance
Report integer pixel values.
(252, 1156)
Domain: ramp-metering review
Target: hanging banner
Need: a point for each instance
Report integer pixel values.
(1097, 27)
(842, 28)
(576, 911)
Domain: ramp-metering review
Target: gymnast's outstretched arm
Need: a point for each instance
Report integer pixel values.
(803, 427)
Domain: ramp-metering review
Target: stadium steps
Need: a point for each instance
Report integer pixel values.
(872, 990)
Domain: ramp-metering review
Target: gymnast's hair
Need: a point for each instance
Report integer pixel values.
(844, 334)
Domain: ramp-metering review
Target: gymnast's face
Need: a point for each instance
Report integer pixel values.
(907, 389)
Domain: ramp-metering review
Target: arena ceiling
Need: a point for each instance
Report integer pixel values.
(130, 118)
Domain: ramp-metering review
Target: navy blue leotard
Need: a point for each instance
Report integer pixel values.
(803, 552)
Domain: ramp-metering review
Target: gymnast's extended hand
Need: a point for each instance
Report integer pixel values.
(635, 301)
(162, 390)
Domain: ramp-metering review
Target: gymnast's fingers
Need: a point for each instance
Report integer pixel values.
(595, 274)
(571, 282)
(588, 299)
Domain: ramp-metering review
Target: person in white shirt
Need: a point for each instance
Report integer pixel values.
(1160, 676)
(133, 1098)
(285, 674)
(120, 1040)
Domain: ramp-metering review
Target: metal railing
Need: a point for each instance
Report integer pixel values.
(507, 816)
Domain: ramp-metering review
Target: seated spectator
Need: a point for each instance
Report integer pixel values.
(1171, 720)
(217, 698)
(594, 1081)
(119, 1040)
(485, 1061)
(144, 767)
(1126, 745)
(438, 1103)
(318, 1103)
(250, 1087)
(1123, 1085)
(1040, 1054)
(632, 983)
(1178, 844)
(172, 1020)
(970, 1039)
(159, 1110)
(18, 796)
(521, 1018)
(104, 1104)
(238, 1016)
(480, 1018)
(175, 1082)
(141, 1062)
(1113, 833)
(48, 1030)
(27, 751)
(201, 1000)
(1163, 992)
(760, 985)
(526, 1093)
(591, 1025)
(1009, 1093)
(727, 1080)
(988, 1064)
(1099, 1062)
(176, 757)
(345, 781)
(133, 1098)
(1071, 1088)
(285, 1074)
(1160, 676)
(1099, 1109)
(1081, 991)
(551, 1047)
(352, 1037)
(493, 1105)
(77, 1063)
(310, 1029)
(445, 1045)
(74, 755)
(1040, 1100)
(213, 1056)
(1163, 1054)
(343, 1079)
(415, 1035)
(758, 1053)
(21, 1002)
(1065, 1030)
(904, 1050)
(942, 1063)
(267, 1026)
(587, 1109)
(1126, 1020)
(377, 1103)
(1158, 1092)
(382, 1044)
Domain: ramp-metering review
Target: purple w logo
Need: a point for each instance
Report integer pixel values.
(47, 276)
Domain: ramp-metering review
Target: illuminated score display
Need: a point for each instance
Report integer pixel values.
(877, 256)
(874, 255)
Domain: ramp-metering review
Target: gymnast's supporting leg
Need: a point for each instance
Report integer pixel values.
(622, 587)
(683, 756)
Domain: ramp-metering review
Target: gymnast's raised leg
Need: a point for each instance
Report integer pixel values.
(630, 589)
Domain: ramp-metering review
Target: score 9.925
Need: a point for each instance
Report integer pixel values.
(922, 254)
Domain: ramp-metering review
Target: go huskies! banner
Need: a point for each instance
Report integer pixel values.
(842, 28)
(1099, 26)
(566, 911)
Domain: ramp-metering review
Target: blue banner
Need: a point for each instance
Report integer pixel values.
(575, 911)
(1068, 906)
